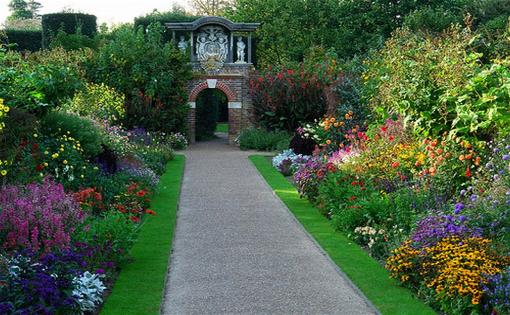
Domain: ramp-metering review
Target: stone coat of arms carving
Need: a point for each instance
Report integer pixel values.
(212, 47)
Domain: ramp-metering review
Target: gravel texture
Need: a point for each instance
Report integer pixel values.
(238, 249)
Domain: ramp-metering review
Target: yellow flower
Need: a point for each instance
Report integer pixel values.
(65, 162)
(3, 172)
(54, 155)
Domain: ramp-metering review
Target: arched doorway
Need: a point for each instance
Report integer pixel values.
(211, 115)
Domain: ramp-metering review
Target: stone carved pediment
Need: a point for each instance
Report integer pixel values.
(212, 47)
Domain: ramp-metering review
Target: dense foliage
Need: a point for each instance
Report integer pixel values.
(438, 84)
(352, 27)
(151, 74)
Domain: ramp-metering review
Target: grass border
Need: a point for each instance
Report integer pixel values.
(140, 285)
(366, 273)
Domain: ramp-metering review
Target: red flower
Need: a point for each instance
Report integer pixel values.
(384, 128)
(352, 198)
(468, 172)
(354, 183)
(395, 164)
(280, 76)
(392, 138)
(39, 167)
(121, 208)
(134, 219)
(149, 211)
(290, 72)
(141, 193)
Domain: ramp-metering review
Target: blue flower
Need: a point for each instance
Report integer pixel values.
(459, 207)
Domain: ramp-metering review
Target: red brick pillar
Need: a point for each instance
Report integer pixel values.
(191, 122)
(234, 120)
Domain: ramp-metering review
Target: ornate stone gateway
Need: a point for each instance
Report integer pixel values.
(220, 53)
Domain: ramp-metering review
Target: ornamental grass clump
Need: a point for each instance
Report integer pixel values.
(38, 216)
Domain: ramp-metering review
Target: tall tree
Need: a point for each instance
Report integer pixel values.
(212, 7)
(23, 10)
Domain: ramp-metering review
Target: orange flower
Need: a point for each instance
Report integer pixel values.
(151, 212)
(328, 142)
(395, 164)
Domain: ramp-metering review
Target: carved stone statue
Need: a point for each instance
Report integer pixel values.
(212, 47)
(182, 45)
(240, 50)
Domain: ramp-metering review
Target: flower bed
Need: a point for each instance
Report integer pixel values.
(433, 211)
(76, 184)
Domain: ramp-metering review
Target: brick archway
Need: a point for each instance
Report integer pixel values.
(233, 82)
(231, 96)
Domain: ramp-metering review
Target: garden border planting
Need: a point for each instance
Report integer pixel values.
(139, 287)
(370, 277)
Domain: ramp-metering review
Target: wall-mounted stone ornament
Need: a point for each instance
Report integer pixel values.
(212, 47)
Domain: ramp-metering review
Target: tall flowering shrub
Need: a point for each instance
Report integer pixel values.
(39, 217)
(282, 99)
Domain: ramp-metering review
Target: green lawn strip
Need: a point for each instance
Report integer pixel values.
(222, 127)
(140, 285)
(366, 273)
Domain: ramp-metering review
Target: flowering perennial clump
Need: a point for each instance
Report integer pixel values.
(40, 217)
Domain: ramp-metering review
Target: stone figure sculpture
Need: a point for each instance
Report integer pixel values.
(240, 50)
(182, 45)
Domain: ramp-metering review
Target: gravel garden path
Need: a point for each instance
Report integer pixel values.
(238, 250)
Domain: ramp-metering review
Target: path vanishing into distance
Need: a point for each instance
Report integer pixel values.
(238, 249)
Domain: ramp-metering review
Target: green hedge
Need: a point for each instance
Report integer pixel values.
(30, 40)
(68, 22)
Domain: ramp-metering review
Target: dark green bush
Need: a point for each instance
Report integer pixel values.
(23, 40)
(72, 125)
(152, 75)
(69, 23)
(262, 140)
(207, 113)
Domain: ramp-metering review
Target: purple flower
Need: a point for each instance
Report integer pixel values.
(432, 229)
(40, 217)
(506, 157)
(459, 207)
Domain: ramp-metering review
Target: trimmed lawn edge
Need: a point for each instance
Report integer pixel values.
(140, 285)
(366, 273)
